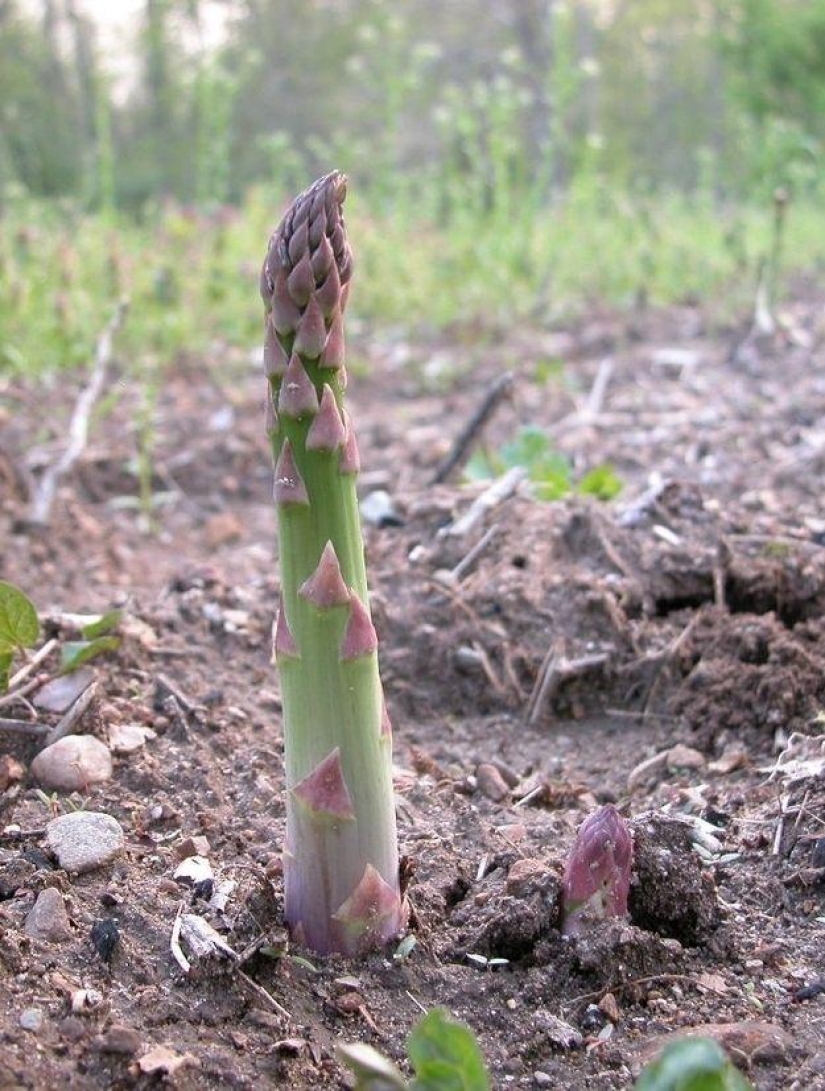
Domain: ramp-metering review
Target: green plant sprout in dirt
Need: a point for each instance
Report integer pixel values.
(19, 628)
(341, 859)
(692, 1064)
(445, 1056)
(549, 472)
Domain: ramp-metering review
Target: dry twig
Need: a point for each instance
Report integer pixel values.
(471, 432)
(41, 505)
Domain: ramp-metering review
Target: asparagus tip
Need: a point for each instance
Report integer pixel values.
(596, 879)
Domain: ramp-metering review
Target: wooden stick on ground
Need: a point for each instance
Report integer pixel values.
(41, 505)
(471, 432)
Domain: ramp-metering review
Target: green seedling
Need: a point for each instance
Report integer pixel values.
(692, 1064)
(340, 858)
(98, 638)
(19, 627)
(444, 1054)
(550, 473)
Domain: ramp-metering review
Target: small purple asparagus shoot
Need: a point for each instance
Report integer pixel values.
(596, 880)
(340, 857)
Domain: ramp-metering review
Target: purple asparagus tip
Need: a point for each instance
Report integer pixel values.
(597, 876)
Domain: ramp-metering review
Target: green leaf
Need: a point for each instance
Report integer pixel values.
(74, 653)
(373, 1072)
(19, 627)
(5, 670)
(602, 481)
(482, 466)
(100, 624)
(547, 469)
(692, 1064)
(445, 1055)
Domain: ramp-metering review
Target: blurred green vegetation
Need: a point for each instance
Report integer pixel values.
(524, 156)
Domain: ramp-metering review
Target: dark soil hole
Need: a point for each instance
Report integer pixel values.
(672, 605)
(745, 597)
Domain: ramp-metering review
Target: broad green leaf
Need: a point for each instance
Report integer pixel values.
(74, 653)
(5, 670)
(19, 627)
(373, 1071)
(100, 624)
(692, 1064)
(445, 1055)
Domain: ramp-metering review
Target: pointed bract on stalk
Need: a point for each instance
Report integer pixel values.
(596, 879)
(341, 882)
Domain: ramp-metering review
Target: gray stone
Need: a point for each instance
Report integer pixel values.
(73, 763)
(31, 1019)
(127, 738)
(61, 693)
(47, 919)
(84, 840)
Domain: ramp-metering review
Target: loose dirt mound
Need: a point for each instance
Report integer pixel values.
(658, 651)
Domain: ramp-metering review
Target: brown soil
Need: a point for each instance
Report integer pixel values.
(581, 640)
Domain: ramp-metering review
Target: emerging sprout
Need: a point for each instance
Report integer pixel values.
(597, 876)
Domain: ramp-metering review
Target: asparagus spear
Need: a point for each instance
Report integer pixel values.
(596, 879)
(340, 858)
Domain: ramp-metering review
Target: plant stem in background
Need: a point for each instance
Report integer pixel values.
(341, 858)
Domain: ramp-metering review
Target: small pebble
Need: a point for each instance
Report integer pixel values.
(524, 874)
(193, 870)
(31, 1019)
(379, 510)
(73, 764)
(11, 770)
(86, 1000)
(684, 757)
(84, 840)
(542, 1079)
(491, 783)
(118, 1039)
(222, 528)
(60, 694)
(71, 1028)
(129, 738)
(47, 919)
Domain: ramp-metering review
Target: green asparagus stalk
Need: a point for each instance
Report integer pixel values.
(340, 856)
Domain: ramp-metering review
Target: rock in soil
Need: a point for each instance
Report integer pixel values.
(47, 919)
(670, 894)
(73, 763)
(84, 840)
(61, 693)
(127, 738)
